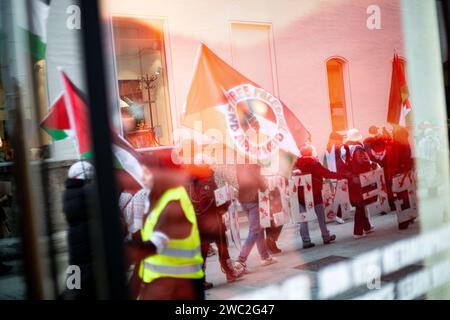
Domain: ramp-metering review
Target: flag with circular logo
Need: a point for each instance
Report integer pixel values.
(251, 120)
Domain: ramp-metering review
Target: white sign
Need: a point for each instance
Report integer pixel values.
(375, 177)
(404, 185)
(232, 223)
(335, 199)
(280, 217)
(264, 209)
(222, 195)
(307, 213)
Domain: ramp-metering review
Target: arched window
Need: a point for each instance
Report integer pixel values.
(336, 91)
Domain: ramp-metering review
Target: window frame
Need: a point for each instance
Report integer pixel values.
(273, 56)
(347, 92)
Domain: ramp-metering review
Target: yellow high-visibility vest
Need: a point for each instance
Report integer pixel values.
(181, 258)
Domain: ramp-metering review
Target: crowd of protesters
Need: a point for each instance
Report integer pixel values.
(171, 223)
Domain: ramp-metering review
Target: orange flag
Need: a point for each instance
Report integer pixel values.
(399, 104)
(249, 119)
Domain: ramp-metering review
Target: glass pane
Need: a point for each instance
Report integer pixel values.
(254, 144)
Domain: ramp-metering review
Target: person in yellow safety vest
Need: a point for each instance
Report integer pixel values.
(170, 264)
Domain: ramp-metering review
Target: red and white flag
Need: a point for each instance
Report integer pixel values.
(399, 104)
(250, 119)
(78, 116)
(56, 123)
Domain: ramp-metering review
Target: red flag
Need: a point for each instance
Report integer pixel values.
(56, 122)
(222, 99)
(78, 116)
(399, 104)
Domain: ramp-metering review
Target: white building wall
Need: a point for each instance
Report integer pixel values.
(64, 49)
(305, 34)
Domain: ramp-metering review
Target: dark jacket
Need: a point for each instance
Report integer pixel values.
(75, 206)
(201, 192)
(250, 182)
(310, 165)
(359, 162)
(399, 159)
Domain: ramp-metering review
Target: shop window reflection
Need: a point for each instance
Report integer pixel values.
(142, 81)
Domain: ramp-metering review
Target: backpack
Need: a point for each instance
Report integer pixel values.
(201, 193)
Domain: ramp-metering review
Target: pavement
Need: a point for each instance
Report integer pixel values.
(292, 255)
(12, 286)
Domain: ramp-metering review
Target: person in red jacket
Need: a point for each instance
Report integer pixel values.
(201, 188)
(358, 162)
(308, 164)
(378, 148)
(399, 161)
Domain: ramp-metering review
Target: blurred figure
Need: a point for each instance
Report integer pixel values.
(76, 203)
(210, 223)
(4, 230)
(377, 149)
(309, 164)
(428, 149)
(400, 161)
(250, 183)
(401, 150)
(168, 246)
(353, 139)
(376, 135)
(358, 162)
(333, 162)
(373, 136)
(135, 208)
(332, 151)
(376, 142)
(375, 146)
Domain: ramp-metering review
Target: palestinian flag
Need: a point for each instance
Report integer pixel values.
(69, 117)
(36, 27)
(399, 104)
(249, 119)
(78, 116)
(56, 123)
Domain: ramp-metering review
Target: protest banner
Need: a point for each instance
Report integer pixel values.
(300, 213)
(281, 216)
(403, 185)
(375, 178)
(335, 198)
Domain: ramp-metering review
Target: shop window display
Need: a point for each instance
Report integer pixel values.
(142, 81)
